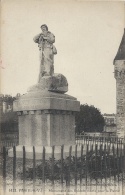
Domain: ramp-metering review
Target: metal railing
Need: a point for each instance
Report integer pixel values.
(99, 167)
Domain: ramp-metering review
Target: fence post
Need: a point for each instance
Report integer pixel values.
(100, 140)
(24, 168)
(101, 163)
(43, 170)
(76, 136)
(114, 168)
(14, 167)
(86, 168)
(34, 169)
(62, 149)
(121, 163)
(53, 165)
(81, 173)
(4, 170)
(105, 161)
(94, 140)
(84, 139)
(88, 138)
(96, 166)
(76, 167)
(117, 156)
(91, 167)
(69, 166)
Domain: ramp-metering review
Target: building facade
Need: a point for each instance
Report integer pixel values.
(119, 74)
(110, 124)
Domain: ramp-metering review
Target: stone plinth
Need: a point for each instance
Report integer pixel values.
(46, 127)
(46, 119)
(44, 100)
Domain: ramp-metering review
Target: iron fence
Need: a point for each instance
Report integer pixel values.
(99, 167)
(8, 144)
(11, 140)
(81, 139)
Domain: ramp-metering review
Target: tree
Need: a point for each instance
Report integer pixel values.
(8, 120)
(89, 119)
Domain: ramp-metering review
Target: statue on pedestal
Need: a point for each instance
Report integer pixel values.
(46, 114)
(45, 42)
(48, 80)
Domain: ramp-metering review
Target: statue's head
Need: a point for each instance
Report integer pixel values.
(44, 27)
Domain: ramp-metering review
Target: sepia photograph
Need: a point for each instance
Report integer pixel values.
(62, 97)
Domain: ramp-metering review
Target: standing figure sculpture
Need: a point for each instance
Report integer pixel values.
(45, 42)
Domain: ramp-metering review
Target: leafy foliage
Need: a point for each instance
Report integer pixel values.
(7, 98)
(93, 165)
(89, 119)
(8, 120)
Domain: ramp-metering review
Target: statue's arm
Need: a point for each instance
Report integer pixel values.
(36, 38)
(50, 38)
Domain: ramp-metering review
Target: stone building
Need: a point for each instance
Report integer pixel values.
(119, 73)
(110, 124)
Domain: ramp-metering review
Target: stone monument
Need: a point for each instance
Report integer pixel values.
(46, 114)
(119, 73)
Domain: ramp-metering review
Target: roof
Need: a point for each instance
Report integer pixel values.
(121, 51)
(109, 114)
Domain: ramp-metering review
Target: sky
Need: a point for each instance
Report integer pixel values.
(87, 37)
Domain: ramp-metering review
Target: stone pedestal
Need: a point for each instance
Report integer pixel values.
(45, 119)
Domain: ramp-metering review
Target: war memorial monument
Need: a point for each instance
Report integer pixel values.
(46, 115)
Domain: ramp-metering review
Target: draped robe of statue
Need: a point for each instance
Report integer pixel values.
(47, 51)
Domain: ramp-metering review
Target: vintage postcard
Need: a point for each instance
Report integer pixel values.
(62, 97)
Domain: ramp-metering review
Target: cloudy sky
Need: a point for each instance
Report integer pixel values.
(87, 35)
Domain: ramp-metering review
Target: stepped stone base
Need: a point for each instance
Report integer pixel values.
(46, 118)
(48, 152)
